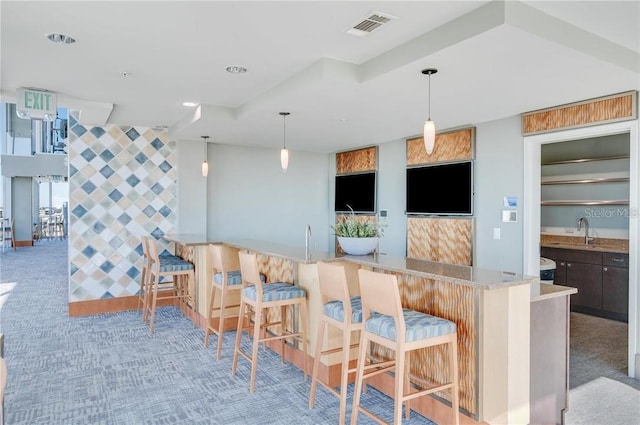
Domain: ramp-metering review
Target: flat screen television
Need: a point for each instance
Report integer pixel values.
(443, 189)
(357, 191)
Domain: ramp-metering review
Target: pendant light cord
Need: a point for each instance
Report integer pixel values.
(284, 129)
(429, 101)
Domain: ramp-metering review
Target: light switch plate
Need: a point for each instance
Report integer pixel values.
(496, 233)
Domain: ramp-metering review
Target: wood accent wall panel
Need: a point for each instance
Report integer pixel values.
(619, 107)
(340, 218)
(452, 302)
(356, 161)
(450, 146)
(447, 240)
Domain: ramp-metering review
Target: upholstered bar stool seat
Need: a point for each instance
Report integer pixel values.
(144, 288)
(259, 297)
(402, 331)
(342, 311)
(225, 263)
(160, 267)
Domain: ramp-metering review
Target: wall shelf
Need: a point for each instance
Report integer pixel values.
(585, 181)
(583, 202)
(579, 161)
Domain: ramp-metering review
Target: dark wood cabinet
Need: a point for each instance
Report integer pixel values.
(602, 280)
(615, 291)
(588, 279)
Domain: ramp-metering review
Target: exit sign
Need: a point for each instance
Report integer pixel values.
(39, 104)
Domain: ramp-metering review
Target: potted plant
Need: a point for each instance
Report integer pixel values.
(357, 237)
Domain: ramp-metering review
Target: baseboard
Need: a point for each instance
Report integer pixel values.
(23, 243)
(108, 305)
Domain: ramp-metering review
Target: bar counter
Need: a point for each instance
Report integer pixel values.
(492, 311)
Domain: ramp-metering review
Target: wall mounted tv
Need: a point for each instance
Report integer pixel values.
(443, 189)
(356, 190)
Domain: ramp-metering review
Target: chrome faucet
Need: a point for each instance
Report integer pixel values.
(582, 221)
(307, 237)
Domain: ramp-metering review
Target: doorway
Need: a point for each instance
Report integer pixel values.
(532, 214)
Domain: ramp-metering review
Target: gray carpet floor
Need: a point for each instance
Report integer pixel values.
(598, 347)
(107, 369)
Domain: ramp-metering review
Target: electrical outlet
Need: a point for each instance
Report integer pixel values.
(569, 229)
(496, 233)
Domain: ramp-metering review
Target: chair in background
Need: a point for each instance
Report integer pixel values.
(160, 267)
(226, 279)
(8, 233)
(403, 331)
(260, 298)
(342, 311)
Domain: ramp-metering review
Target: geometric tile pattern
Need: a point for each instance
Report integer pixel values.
(122, 186)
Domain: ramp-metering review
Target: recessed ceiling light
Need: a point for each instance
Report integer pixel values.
(61, 38)
(236, 69)
(189, 104)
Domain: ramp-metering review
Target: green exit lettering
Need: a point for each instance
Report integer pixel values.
(37, 100)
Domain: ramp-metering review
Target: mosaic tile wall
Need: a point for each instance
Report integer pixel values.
(122, 186)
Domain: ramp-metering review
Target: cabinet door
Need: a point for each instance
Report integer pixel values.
(560, 276)
(615, 289)
(588, 279)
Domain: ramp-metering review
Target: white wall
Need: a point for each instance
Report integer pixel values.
(192, 188)
(248, 196)
(498, 173)
(392, 166)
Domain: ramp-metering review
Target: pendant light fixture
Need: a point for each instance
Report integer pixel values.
(284, 152)
(429, 133)
(205, 165)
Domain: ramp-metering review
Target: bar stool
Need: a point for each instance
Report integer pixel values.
(260, 297)
(380, 294)
(226, 279)
(344, 312)
(165, 266)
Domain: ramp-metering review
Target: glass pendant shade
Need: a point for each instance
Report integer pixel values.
(284, 159)
(429, 136)
(284, 152)
(429, 132)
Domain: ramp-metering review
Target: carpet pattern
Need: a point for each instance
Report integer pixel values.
(107, 369)
(617, 403)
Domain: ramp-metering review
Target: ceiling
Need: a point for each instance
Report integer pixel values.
(495, 60)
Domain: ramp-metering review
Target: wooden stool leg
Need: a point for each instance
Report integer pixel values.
(407, 383)
(303, 323)
(254, 352)
(207, 332)
(453, 364)
(283, 329)
(236, 350)
(221, 319)
(344, 372)
(399, 388)
(357, 389)
(316, 360)
(153, 305)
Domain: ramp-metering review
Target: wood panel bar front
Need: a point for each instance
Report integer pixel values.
(491, 310)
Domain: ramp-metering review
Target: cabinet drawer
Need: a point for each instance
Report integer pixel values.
(575, 255)
(614, 259)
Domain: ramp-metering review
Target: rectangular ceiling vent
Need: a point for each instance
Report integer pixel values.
(369, 23)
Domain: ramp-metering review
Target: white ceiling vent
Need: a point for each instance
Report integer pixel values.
(369, 23)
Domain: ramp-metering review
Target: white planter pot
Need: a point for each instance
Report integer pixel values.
(358, 246)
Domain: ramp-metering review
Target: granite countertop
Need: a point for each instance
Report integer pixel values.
(543, 291)
(462, 275)
(618, 246)
(189, 239)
